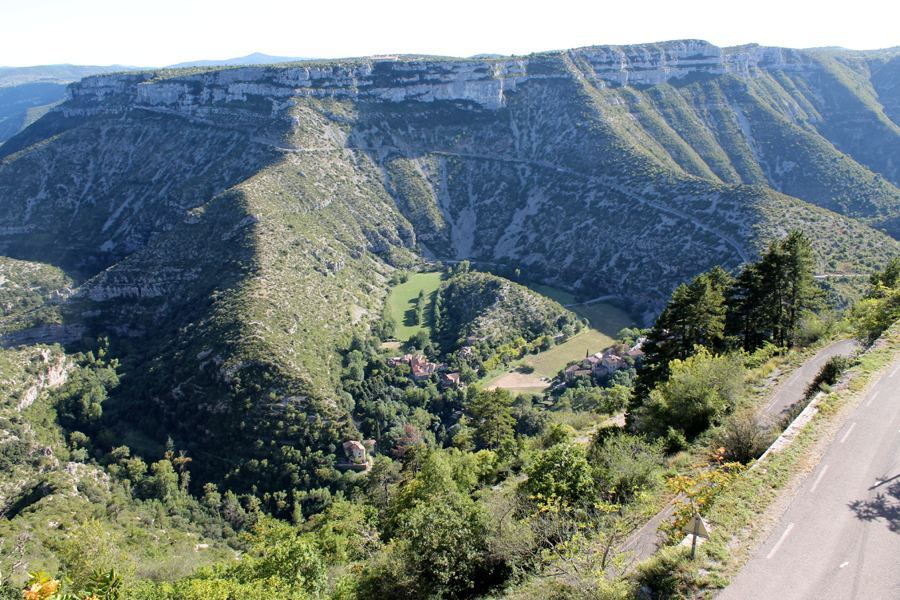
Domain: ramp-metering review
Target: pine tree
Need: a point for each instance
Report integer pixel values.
(491, 413)
(770, 297)
(744, 321)
(801, 292)
(694, 316)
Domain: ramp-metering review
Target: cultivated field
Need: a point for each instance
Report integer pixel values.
(605, 321)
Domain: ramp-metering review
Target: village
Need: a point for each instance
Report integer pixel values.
(422, 369)
(602, 365)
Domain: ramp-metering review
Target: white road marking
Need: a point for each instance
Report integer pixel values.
(818, 479)
(846, 435)
(780, 541)
(843, 564)
(894, 372)
(872, 398)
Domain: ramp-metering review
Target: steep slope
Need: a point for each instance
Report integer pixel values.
(231, 228)
(807, 123)
(104, 187)
(261, 286)
(495, 311)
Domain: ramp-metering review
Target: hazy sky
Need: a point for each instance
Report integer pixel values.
(160, 32)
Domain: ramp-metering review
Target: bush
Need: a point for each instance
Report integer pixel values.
(828, 375)
(744, 437)
(626, 464)
(558, 433)
(872, 315)
(674, 441)
(699, 392)
(668, 573)
(814, 327)
(561, 472)
(440, 550)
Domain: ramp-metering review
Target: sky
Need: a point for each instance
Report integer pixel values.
(162, 32)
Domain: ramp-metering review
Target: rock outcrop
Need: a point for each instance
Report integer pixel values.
(53, 371)
(483, 82)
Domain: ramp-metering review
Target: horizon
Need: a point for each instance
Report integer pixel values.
(216, 60)
(105, 32)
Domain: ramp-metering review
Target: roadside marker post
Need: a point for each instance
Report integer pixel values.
(696, 527)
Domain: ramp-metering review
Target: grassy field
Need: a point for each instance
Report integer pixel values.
(605, 321)
(548, 364)
(604, 317)
(402, 303)
(589, 341)
(562, 296)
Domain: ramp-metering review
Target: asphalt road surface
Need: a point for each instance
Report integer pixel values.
(793, 390)
(645, 541)
(840, 537)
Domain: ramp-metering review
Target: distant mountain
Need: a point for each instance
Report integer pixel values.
(257, 58)
(13, 76)
(26, 93)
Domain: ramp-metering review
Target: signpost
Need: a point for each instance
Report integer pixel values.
(696, 527)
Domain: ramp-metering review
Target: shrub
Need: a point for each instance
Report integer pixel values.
(440, 550)
(626, 464)
(828, 375)
(558, 433)
(674, 441)
(744, 437)
(561, 472)
(813, 327)
(700, 391)
(668, 573)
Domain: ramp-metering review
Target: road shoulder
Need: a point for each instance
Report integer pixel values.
(745, 514)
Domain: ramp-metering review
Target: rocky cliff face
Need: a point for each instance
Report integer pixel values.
(484, 82)
(654, 64)
(53, 371)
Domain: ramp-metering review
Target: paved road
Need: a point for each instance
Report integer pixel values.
(840, 537)
(645, 541)
(792, 390)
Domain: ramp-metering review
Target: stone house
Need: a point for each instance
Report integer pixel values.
(356, 452)
(450, 379)
(420, 367)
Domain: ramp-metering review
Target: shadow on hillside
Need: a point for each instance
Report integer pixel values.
(200, 161)
(884, 506)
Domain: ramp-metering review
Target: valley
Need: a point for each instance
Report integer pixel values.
(379, 318)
